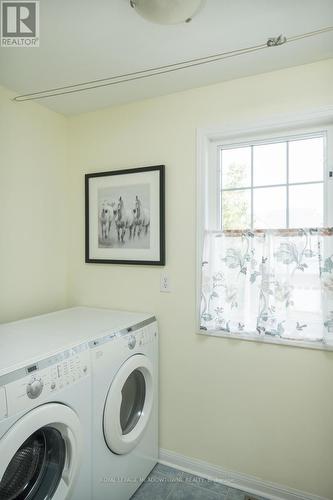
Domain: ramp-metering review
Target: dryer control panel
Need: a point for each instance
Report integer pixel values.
(147, 335)
(134, 336)
(38, 381)
(139, 338)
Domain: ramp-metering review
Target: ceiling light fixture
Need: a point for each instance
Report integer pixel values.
(167, 11)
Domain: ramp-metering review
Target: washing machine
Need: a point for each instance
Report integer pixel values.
(45, 429)
(125, 408)
(45, 411)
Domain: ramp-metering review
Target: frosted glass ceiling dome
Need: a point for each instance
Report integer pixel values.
(167, 11)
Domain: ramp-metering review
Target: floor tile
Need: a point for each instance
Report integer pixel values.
(166, 483)
(167, 471)
(234, 494)
(183, 491)
(154, 488)
(219, 488)
(155, 473)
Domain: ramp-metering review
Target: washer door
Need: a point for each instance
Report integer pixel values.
(39, 455)
(128, 404)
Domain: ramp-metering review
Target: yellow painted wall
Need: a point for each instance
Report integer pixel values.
(258, 409)
(33, 209)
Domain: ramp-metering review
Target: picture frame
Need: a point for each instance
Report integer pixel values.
(125, 216)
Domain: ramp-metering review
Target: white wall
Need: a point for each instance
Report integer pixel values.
(254, 408)
(33, 209)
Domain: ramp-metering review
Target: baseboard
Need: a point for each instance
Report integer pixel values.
(250, 484)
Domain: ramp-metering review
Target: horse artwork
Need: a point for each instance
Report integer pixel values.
(141, 217)
(124, 220)
(125, 216)
(105, 220)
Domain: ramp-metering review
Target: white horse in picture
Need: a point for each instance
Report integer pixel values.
(141, 217)
(124, 220)
(105, 219)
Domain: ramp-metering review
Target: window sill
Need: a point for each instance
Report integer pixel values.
(267, 340)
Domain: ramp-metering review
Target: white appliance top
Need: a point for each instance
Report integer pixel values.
(30, 340)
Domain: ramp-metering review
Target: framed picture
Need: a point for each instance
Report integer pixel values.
(125, 216)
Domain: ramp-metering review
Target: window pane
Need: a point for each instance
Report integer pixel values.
(236, 209)
(306, 206)
(269, 208)
(270, 164)
(306, 160)
(236, 167)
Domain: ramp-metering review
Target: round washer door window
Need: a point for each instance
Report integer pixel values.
(128, 404)
(39, 455)
(36, 468)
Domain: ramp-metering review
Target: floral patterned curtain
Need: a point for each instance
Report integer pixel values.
(276, 283)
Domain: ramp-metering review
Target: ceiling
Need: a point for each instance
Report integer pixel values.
(82, 40)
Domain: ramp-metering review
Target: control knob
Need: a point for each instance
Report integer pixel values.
(131, 342)
(35, 388)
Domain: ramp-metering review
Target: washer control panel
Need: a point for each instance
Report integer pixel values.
(35, 388)
(44, 378)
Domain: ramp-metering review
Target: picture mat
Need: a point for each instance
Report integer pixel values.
(95, 184)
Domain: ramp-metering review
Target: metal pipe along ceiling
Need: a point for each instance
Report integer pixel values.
(168, 68)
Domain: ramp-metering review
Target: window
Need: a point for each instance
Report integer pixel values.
(272, 283)
(278, 183)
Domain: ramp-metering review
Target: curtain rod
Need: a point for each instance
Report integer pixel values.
(169, 68)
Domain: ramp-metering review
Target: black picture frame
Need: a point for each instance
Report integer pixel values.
(160, 238)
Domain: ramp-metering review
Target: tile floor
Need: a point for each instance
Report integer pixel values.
(165, 483)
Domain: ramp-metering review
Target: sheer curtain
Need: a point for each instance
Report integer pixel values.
(276, 283)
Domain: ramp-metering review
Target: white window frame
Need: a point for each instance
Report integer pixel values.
(261, 142)
(208, 183)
